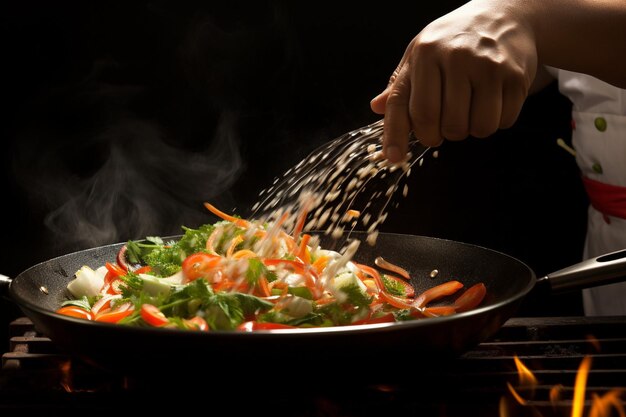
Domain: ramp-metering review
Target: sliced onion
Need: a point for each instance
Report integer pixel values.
(104, 301)
(121, 258)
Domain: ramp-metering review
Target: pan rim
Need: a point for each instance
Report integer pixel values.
(300, 332)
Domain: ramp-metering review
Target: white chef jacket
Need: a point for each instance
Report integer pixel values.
(599, 138)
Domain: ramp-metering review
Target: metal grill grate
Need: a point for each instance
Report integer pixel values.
(35, 376)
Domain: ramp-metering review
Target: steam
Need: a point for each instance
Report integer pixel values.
(130, 183)
(133, 145)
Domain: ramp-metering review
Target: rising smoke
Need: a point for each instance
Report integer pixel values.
(142, 116)
(129, 183)
(132, 149)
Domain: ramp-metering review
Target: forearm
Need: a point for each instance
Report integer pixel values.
(586, 36)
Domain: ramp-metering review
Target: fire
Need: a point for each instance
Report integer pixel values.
(527, 380)
(68, 380)
(66, 375)
(555, 393)
(601, 405)
(593, 341)
(580, 387)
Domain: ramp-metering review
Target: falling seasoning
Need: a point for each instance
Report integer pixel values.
(345, 183)
(371, 238)
(434, 273)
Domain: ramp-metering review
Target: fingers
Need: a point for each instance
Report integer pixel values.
(395, 75)
(411, 103)
(437, 101)
(457, 98)
(486, 109)
(397, 122)
(496, 103)
(425, 101)
(379, 103)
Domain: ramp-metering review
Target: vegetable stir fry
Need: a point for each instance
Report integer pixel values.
(240, 275)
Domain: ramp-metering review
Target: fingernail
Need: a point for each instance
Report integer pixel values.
(393, 153)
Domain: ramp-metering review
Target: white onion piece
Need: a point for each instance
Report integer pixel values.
(87, 282)
(176, 279)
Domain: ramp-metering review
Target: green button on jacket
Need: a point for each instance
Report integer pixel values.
(597, 168)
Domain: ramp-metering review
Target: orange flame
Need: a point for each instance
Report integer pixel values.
(515, 394)
(601, 405)
(593, 341)
(555, 393)
(526, 377)
(504, 407)
(580, 387)
(526, 380)
(66, 376)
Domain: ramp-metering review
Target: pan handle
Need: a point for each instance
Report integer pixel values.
(605, 269)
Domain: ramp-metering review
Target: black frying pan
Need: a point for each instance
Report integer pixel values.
(38, 291)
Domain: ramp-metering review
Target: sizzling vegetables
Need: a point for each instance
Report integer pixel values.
(237, 274)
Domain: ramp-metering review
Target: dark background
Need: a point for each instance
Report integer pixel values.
(121, 118)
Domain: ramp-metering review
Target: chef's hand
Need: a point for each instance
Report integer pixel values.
(466, 73)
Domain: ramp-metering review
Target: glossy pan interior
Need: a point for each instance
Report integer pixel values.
(40, 289)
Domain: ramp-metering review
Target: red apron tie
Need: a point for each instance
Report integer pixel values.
(608, 199)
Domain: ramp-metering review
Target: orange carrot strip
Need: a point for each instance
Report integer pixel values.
(227, 284)
(325, 300)
(300, 224)
(264, 286)
(374, 273)
(211, 240)
(310, 276)
(320, 263)
(244, 253)
(233, 244)
(279, 285)
(353, 213)
(280, 221)
(303, 252)
(239, 222)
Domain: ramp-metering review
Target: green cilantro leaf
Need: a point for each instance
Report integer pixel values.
(393, 287)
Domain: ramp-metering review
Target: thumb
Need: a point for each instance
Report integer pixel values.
(379, 103)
